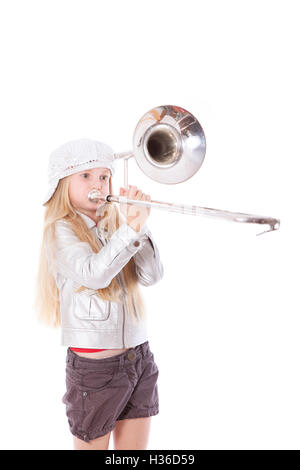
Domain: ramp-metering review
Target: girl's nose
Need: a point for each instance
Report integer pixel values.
(97, 184)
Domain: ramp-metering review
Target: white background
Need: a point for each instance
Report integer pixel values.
(224, 321)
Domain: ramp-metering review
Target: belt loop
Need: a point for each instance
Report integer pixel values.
(144, 349)
(71, 358)
(121, 362)
(73, 361)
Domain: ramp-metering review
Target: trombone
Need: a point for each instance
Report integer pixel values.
(169, 146)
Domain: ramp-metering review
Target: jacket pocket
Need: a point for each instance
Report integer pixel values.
(89, 306)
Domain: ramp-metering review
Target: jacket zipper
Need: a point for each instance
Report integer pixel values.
(124, 303)
(124, 306)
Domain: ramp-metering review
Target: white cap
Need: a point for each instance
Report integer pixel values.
(74, 156)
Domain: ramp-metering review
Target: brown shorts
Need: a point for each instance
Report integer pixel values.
(103, 391)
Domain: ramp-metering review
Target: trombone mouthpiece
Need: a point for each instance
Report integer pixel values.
(95, 196)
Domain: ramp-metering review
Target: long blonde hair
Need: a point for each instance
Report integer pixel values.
(47, 303)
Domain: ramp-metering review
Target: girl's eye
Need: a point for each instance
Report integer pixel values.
(105, 177)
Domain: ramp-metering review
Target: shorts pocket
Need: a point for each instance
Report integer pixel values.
(94, 381)
(152, 360)
(74, 407)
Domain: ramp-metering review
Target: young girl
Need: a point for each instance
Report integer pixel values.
(88, 283)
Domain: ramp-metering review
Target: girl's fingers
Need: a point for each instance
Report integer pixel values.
(134, 193)
(131, 192)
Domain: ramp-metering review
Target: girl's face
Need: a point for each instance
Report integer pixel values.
(80, 184)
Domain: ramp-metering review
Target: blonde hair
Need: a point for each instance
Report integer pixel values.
(47, 303)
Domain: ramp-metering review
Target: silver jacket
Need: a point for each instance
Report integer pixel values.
(87, 321)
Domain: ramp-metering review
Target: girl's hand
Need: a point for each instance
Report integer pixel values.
(135, 215)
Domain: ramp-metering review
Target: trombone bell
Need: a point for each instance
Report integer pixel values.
(169, 144)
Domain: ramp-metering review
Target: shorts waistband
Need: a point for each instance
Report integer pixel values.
(129, 356)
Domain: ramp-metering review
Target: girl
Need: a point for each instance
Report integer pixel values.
(88, 283)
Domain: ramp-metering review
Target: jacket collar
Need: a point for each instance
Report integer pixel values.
(89, 222)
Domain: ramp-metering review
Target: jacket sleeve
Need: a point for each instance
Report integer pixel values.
(149, 268)
(76, 260)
